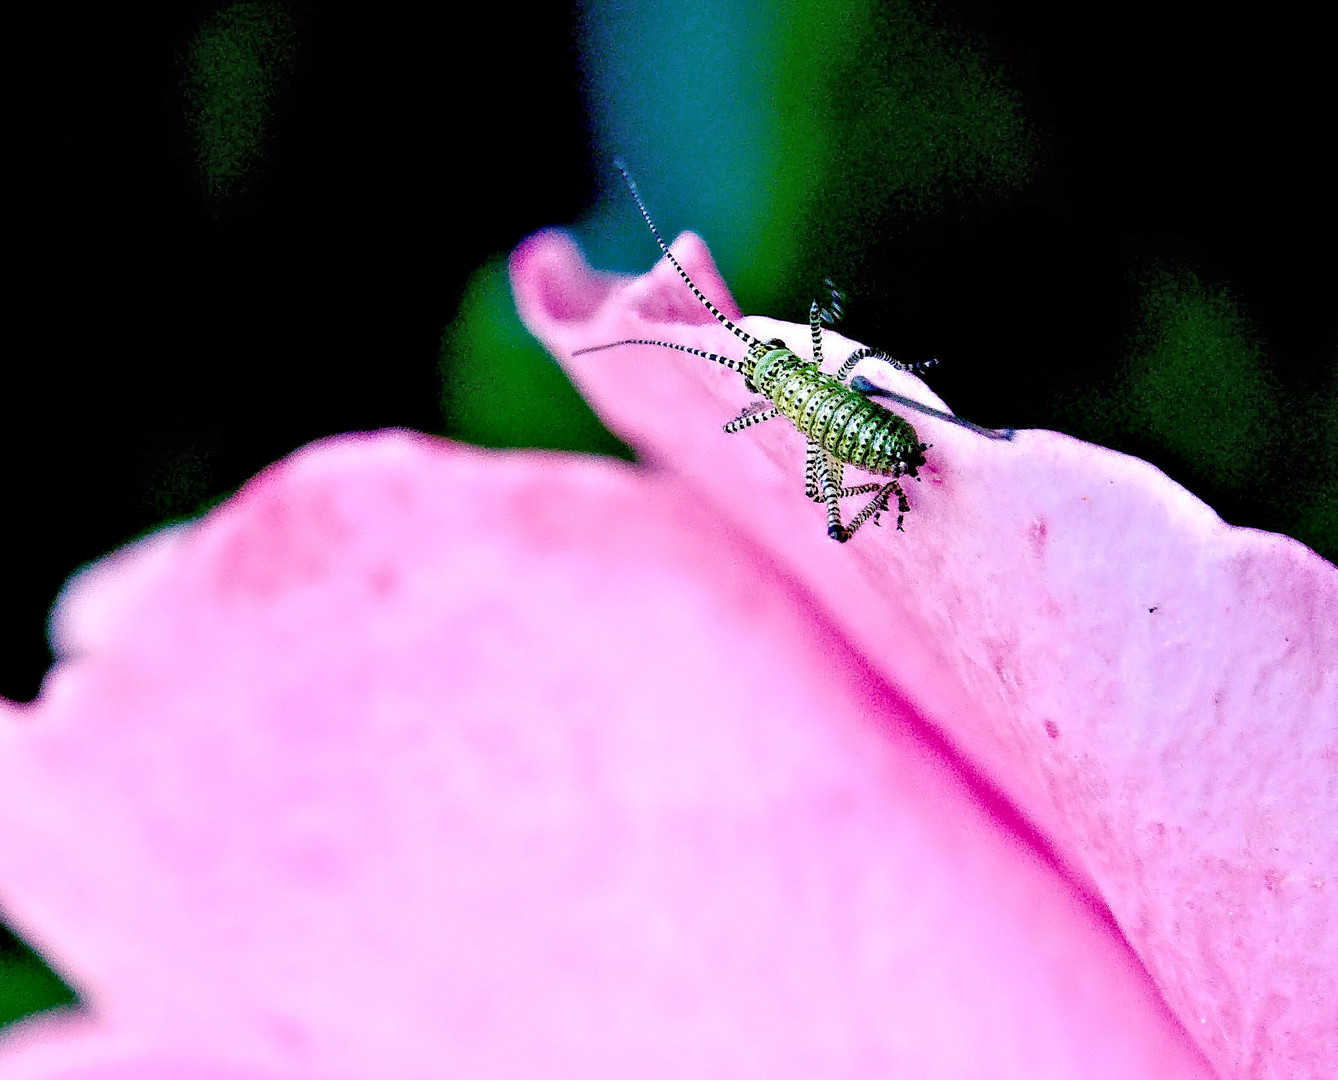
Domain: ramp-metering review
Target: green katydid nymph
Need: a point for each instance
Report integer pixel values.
(841, 423)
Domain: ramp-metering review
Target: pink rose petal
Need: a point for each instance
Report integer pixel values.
(1155, 689)
(417, 761)
(60, 1046)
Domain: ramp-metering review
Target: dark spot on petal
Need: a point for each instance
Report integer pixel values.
(1037, 534)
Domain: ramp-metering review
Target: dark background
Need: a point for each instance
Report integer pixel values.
(161, 348)
(165, 340)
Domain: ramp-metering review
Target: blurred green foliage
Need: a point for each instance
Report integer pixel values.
(1316, 509)
(233, 74)
(791, 135)
(181, 483)
(500, 388)
(26, 984)
(892, 115)
(1196, 380)
(1197, 394)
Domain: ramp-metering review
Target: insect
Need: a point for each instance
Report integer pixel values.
(842, 425)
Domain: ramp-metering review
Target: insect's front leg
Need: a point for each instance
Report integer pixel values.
(755, 413)
(859, 354)
(819, 315)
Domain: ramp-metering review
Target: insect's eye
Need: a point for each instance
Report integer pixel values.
(776, 343)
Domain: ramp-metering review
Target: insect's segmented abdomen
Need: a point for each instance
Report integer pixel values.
(847, 425)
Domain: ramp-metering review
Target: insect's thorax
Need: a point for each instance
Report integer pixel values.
(769, 359)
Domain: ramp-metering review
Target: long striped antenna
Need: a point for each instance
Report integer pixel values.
(742, 335)
(742, 366)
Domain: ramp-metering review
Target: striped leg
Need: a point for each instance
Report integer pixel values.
(858, 489)
(822, 483)
(815, 324)
(811, 481)
(903, 507)
(878, 504)
(829, 315)
(830, 486)
(874, 508)
(756, 413)
(845, 492)
(859, 354)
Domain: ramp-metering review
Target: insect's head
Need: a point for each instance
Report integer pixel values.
(759, 352)
(761, 356)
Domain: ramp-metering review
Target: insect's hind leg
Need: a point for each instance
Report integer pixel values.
(811, 482)
(822, 482)
(811, 488)
(830, 487)
(879, 503)
(874, 508)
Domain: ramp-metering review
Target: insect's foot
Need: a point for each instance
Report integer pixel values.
(838, 534)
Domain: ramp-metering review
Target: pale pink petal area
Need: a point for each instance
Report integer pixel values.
(65, 1046)
(416, 761)
(1156, 690)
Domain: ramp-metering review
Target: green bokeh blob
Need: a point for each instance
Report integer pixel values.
(894, 115)
(793, 136)
(1197, 396)
(1317, 510)
(499, 387)
(180, 483)
(235, 68)
(1197, 383)
(27, 985)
